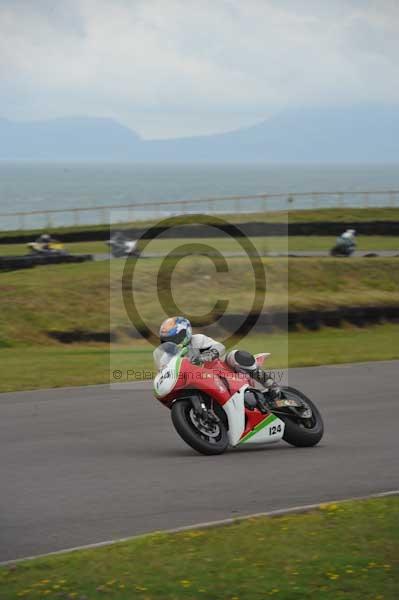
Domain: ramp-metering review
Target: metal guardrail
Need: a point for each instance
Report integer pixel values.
(95, 215)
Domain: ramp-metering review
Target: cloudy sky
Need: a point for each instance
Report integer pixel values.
(179, 67)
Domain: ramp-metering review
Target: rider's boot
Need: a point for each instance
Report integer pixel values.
(244, 362)
(271, 390)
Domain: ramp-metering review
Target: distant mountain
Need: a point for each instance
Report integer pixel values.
(78, 138)
(304, 135)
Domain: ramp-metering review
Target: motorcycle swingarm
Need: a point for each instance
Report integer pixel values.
(292, 404)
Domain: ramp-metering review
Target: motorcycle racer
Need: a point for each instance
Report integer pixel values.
(205, 349)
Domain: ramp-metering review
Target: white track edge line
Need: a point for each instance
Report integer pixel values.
(206, 525)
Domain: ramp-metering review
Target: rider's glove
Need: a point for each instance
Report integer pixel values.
(209, 355)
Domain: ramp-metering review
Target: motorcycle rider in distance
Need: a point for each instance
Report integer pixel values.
(205, 349)
(45, 240)
(345, 243)
(349, 237)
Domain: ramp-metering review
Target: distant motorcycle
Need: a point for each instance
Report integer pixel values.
(345, 244)
(120, 246)
(214, 407)
(47, 248)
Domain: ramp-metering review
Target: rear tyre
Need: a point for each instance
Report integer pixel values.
(205, 437)
(299, 431)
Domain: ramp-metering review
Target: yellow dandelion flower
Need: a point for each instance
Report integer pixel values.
(333, 576)
(328, 506)
(185, 582)
(45, 581)
(349, 571)
(122, 586)
(195, 534)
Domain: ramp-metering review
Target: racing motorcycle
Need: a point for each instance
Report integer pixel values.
(342, 249)
(120, 246)
(345, 244)
(52, 248)
(213, 407)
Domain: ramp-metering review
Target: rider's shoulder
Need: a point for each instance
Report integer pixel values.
(199, 340)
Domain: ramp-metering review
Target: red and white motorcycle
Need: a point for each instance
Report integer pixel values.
(214, 407)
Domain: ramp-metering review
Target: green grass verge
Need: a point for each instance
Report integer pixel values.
(31, 367)
(345, 551)
(77, 296)
(66, 297)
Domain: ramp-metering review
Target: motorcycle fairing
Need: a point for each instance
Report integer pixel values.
(260, 428)
(235, 411)
(245, 426)
(166, 379)
(269, 430)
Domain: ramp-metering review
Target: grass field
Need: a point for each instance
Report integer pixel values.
(38, 305)
(30, 367)
(227, 244)
(55, 298)
(344, 551)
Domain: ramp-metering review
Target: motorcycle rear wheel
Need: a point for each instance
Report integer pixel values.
(204, 439)
(298, 432)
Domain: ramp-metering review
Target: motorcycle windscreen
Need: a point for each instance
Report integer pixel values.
(164, 354)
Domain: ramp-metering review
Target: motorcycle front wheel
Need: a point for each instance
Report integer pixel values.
(300, 431)
(205, 436)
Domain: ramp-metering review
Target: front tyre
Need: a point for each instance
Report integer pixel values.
(205, 436)
(301, 430)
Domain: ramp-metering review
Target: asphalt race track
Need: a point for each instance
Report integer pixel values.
(299, 253)
(84, 465)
